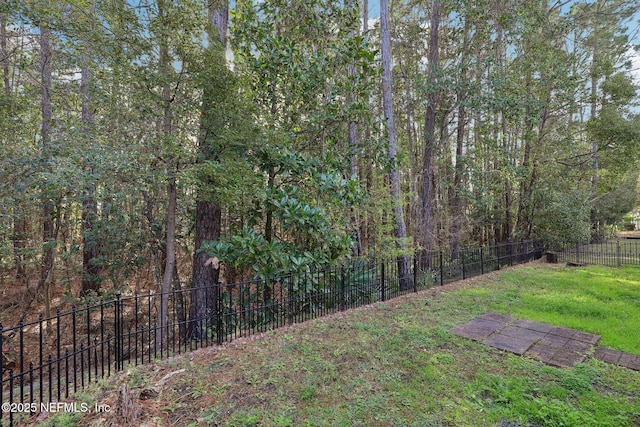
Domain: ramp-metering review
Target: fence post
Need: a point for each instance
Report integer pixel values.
(382, 284)
(88, 313)
(40, 351)
(415, 273)
(481, 259)
(619, 261)
(117, 336)
(441, 270)
(11, 387)
(290, 300)
(510, 252)
(219, 313)
(464, 276)
(21, 326)
(342, 290)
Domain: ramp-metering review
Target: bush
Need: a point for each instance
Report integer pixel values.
(628, 224)
(564, 217)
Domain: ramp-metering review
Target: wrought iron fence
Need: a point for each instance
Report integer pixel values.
(615, 253)
(51, 358)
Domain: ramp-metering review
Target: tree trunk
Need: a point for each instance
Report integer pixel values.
(595, 232)
(527, 135)
(394, 177)
(524, 221)
(208, 227)
(268, 225)
(353, 144)
(179, 304)
(460, 136)
(48, 236)
(5, 56)
(172, 194)
(412, 213)
(366, 169)
(504, 229)
(19, 223)
(170, 262)
(208, 212)
(90, 248)
(426, 236)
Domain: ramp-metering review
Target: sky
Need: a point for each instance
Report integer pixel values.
(374, 8)
(635, 66)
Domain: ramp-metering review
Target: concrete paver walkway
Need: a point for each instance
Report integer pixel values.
(631, 361)
(553, 345)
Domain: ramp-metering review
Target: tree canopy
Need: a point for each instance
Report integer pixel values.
(140, 139)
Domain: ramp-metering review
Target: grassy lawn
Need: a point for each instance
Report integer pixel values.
(601, 300)
(397, 364)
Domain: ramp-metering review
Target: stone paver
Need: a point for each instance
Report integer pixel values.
(547, 343)
(479, 328)
(565, 358)
(563, 332)
(541, 352)
(507, 343)
(607, 355)
(534, 326)
(522, 333)
(631, 361)
(587, 337)
(562, 347)
(577, 346)
(553, 341)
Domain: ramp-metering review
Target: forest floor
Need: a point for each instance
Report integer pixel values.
(397, 363)
(24, 301)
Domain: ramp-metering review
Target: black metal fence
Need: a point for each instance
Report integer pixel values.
(49, 359)
(614, 253)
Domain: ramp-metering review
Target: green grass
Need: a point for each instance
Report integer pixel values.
(397, 364)
(600, 300)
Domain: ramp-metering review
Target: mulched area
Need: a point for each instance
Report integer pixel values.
(556, 346)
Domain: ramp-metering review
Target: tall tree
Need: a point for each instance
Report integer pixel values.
(90, 249)
(392, 150)
(208, 223)
(607, 44)
(458, 184)
(427, 196)
(353, 143)
(18, 217)
(165, 70)
(48, 232)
